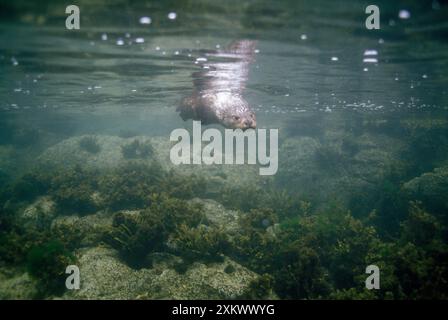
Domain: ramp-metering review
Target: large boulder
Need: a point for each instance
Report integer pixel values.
(218, 215)
(431, 188)
(69, 152)
(14, 286)
(40, 213)
(86, 230)
(104, 276)
(336, 167)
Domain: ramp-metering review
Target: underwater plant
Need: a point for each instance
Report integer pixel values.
(260, 288)
(329, 158)
(16, 238)
(131, 185)
(90, 144)
(183, 186)
(258, 219)
(242, 198)
(201, 243)
(245, 198)
(308, 254)
(136, 150)
(427, 147)
(73, 190)
(420, 227)
(69, 235)
(30, 185)
(47, 264)
(11, 243)
(137, 235)
(419, 257)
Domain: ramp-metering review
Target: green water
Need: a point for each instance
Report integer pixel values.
(86, 179)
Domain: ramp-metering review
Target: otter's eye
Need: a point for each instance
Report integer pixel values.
(236, 118)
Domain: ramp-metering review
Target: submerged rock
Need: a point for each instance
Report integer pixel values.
(69, 153)
(15, 286)
(218, 215)
(87, 230)
(336, 167)
(431, 188)
(111, 155)
(40, 212)
(104, 276)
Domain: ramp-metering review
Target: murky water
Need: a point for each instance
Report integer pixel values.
(362, 117)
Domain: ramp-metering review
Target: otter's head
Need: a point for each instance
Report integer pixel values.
(239, 116)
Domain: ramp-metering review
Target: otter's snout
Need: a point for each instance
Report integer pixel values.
(250, 123)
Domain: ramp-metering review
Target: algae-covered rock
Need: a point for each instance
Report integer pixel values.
(146, 151)
(218, 215)
(104, 276)
(40, 212)
(70, 153)
(82, 230)
(46, 263)
(431, 188)
(15, 285)
(336, 167)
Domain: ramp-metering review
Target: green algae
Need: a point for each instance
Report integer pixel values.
(90, 144)
(47, 263)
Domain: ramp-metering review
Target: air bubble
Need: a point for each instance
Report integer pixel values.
(145, 20)
(404, 14)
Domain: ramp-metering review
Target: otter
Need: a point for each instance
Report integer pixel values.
(217, 95)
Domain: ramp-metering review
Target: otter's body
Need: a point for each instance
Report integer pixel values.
(217, 96)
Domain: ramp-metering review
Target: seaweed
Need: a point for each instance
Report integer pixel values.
(426, 148)
(130, 186)
(229, 269)
(137, 150)
(135, 236)
(183, 186)
(259, 219)
(201, 243)
(47, 264)
(90, 144)
(30, 185)
(242, 198)
(260, 288)
(308, 254)
(73, 190)
(330, 158)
